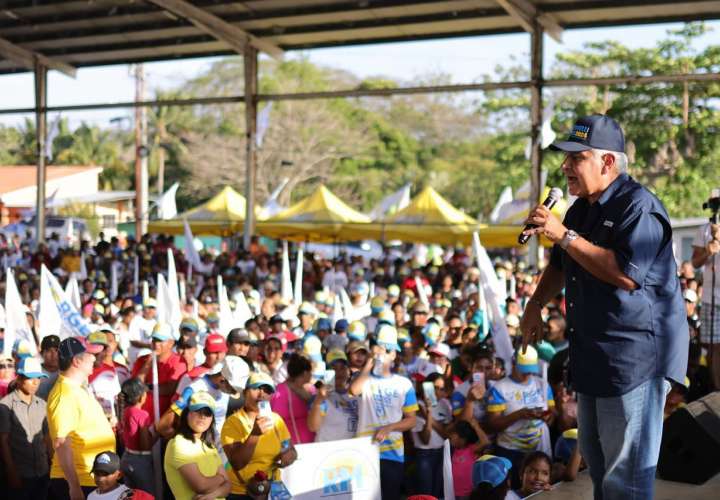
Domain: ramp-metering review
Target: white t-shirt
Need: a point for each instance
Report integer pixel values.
(334, 280)
(442, 413)
(459, 397)
(340, 412)
(702, 238)
(140, 330)
(110, 495)
(383, 401)
(106, 387)
(507, 396)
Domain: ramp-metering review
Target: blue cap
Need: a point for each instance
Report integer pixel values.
(593, 132)
(323, 324)
(490, 469)
(341, 325)
(30, 368)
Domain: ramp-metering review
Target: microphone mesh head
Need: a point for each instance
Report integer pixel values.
(556, 194)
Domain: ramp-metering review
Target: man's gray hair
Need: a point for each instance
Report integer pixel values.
(621, 159)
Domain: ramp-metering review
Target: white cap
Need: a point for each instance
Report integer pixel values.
(512, 321)
(690, 295)
(440, 349)
(236, 372)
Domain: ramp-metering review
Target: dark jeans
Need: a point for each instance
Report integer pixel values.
(392, 475)
(59, 489)
(32, 488)
(516, 457)
(429, 472)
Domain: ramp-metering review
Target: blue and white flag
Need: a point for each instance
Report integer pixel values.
(58, 315)
(16, 323)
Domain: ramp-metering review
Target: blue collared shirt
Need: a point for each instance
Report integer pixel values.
(620, 339)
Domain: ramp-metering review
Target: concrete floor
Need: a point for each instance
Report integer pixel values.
(581, 489)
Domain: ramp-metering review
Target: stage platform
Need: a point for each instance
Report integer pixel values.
(581, 489)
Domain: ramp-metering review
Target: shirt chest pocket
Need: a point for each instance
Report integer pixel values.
(603, 234)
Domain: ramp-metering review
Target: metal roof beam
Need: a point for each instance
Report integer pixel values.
(237, 38)
(524, 12)
(27, 58)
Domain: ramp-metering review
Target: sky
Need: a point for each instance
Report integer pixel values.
(464, 59)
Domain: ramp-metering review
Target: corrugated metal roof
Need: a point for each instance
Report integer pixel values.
(99, 32)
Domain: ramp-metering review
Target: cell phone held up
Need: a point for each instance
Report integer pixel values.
(478, 378)
(429, 393)
(264, 409)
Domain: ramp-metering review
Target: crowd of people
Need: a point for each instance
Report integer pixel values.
(415, 365)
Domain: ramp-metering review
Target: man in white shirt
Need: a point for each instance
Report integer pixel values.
(140, 330)
(335, 278)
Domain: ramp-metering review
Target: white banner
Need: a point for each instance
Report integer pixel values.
(16, 324)
(341, 470)
(58, 314)
(286, 289)
(72, 290)
(174, 293)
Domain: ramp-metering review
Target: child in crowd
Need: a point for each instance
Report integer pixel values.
(106, 471)
(465, 444)
(491, 479)
(567, 457)
(535, 474)
(138, 434)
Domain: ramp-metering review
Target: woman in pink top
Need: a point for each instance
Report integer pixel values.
(292, 399)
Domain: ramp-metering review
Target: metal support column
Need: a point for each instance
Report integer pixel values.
(141, 153)
(536, 112)
(40, 138)
(251, 88)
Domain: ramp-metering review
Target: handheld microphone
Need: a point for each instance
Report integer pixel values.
(554, 195)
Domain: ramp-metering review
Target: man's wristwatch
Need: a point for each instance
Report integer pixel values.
(569, 236)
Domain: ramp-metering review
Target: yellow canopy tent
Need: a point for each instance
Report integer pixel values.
(429, 218)
(321, 217)
(221, 215)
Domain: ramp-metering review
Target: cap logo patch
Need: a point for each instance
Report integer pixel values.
(103, 459)
(580, 131)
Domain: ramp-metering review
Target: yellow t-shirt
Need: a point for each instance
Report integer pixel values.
(181, 451)
(73, 413)
(237, 428)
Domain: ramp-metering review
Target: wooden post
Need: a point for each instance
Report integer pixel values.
(141, 175)
(41, 137)
(536, 112)
(251, 87)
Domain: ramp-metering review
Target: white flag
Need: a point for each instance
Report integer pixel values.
(72, 291)
(145, 292)
(286, 291)
(505, 197)
(271, 205)
(263, 123)
(59, 315)
(16, 323)
(392, 203)
(422, 295)
(162, 297)
(299, 276)
(494, 295)
(225, 312)
(448, 486)
(114, 279)
(191, 253)
(242, 311)
(174, 293)
(83, 267)
(347, 306)
(167, 209)
(52, 133)
(338, 312)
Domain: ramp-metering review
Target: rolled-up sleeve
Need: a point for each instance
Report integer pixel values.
(637, 243)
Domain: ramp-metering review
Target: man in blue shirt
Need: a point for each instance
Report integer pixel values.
(625, 315)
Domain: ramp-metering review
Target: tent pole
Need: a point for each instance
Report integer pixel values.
(251, 85)
(41, 137)
(536, 111)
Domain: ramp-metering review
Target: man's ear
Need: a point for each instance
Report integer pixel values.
(608, 163)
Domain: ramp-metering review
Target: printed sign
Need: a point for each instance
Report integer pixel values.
(342, 470)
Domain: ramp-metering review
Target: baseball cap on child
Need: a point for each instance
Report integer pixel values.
(526, 362)
(490, 469)
(106, 462)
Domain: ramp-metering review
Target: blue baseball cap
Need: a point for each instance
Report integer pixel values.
(593, 132)
(490, 469)
(30, 368)
(341, 325)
